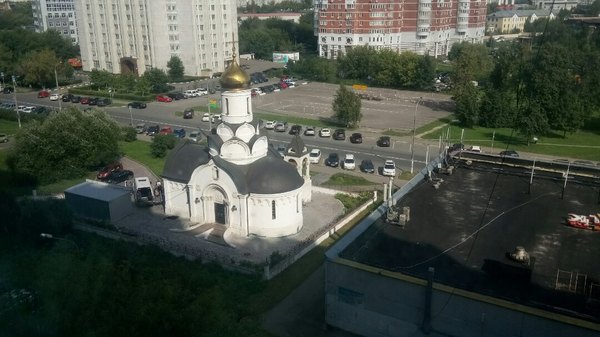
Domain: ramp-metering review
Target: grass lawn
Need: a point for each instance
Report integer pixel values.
(580, 145)
(140, 151)
(420, 130)
(347, 180)
(8, 127)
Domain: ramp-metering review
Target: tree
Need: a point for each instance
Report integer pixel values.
(472, 62)
(65, 145)
(346, 107)
(408, 68)
(142, 85)
(38, 68)
(102, 79)
(425, 72)
(157, 79)
(161, 144)
(176, 69)
(467, 100)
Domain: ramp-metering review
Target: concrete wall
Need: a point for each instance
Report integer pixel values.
(372, 302)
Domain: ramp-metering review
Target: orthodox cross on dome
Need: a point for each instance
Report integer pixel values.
(233, 55)
(234, 77)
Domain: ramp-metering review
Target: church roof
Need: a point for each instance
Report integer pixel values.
(297, 148)
(183, 160)
(268, 175)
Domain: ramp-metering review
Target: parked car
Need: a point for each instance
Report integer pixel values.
(324, 132)
(190, 93)
(389, 168)
(188, 113)
(106, 170)
(55, 97)
(296, 129)
(140, 128)
(456, 147)
(137, 105)
(8, 90)
(281, 149)
(310, 131)
(75, 99)
(67, 97)
(28, 109)
(281, 126)
(153, 130)
(202, 91)
(215, 118)
(194, 136)
(3, 138)
(43, 94)
(367, 166)
(176, 96)
(166, 130)
(116, 177)
(475, 148)
(356, 138)
(93, 101)
(333, 160)
(179, 133)
(206, 117)
(84, 100)
(283, 85)
(314, 156)
(509, 153)
(339, 134)
(269, 125)
(349, 162)
(163, 98)
(384, 141)
(104, 102)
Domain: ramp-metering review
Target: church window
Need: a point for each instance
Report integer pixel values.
(273, 210)
(227, 105)
(216, 173)
(248, 105)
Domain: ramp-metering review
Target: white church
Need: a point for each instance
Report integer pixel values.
(238, 180)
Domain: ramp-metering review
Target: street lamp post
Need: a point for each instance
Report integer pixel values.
(412, 147)
(2, 76)
(14, 80)
(58, 88)
(130, 116)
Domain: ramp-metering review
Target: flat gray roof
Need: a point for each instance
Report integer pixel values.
(98, 190)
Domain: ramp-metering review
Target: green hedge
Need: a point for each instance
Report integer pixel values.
(88, 91)
(11, 115)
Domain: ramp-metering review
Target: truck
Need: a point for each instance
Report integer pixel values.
(144, 195)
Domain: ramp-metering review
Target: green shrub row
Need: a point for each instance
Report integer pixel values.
(11, 115)
(88, 91)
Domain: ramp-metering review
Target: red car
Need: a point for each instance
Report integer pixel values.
(108, 169)
(162, 98)
(283, 85)
(166, 131)
(43, 94)
(85, 100)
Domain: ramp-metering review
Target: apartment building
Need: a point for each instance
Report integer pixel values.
(55, 14)
(132, 36)
(428, 27)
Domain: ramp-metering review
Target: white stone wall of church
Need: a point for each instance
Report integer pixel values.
(176, 199)
(237, 107)
(288, 218)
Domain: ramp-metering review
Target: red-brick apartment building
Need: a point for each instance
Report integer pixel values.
(422, 26)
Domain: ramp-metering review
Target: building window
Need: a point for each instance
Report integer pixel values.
(273, 210)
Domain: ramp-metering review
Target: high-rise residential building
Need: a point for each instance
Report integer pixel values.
(58, 15)
(132, 36)
(421, 26)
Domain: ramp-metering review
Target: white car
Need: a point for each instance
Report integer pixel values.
(475, 148)
(325, 132)
(389, 168)
(270, 125)
(206, 117)
(349, 162)
(314, 156)
(194, 136)
(28, 109)
(310, 131)
(190, 93)
(216, 118)
(55, 97)
(201, 91)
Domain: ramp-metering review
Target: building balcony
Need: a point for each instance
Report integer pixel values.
(421, 2)
(462, 27)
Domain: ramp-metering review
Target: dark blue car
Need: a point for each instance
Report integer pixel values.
(179, 133)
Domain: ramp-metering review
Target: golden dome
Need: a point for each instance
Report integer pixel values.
(234, 77)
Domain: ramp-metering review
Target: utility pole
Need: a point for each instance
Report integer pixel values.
(14, 80)
(58, 88)
(412, 147)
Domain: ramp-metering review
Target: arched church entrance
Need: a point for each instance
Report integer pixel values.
(216, 205)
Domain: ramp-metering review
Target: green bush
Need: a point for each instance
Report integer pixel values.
(11, 115)
(160, 145)
(129, 133)
(351, 202)
(88, 91)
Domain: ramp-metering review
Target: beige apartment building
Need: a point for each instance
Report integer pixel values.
(513, 21)
(132, 36)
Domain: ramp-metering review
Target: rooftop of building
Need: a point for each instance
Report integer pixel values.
(522, 13)
(467, 242)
